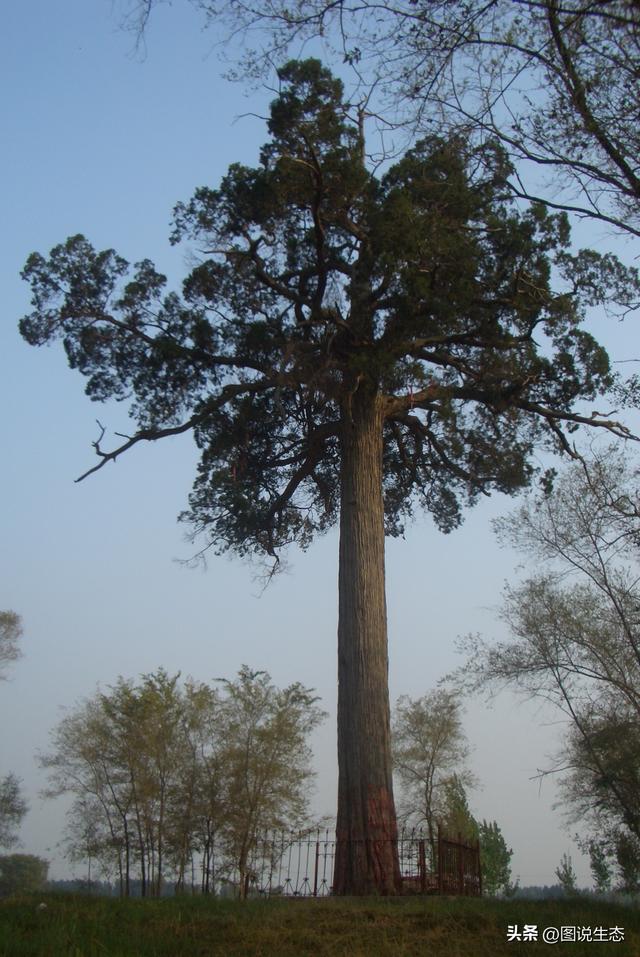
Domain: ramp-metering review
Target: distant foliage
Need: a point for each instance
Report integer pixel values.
(614, 858)
(83, 886)
(10, 634)
(13, 808)
(627, 853)
(566, 875)
(22, 874)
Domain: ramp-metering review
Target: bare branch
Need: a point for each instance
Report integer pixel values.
(151, 435)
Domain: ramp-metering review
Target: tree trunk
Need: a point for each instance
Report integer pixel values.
(366, 831)
(206, 861)
(127, 859)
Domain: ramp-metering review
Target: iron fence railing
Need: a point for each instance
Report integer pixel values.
(301, 865)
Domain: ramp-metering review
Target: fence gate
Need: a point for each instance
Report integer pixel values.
(459, 866)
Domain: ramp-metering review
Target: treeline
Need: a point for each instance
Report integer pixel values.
(173, 781)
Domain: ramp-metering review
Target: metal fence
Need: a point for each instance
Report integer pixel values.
(301, 865)
(459, 870)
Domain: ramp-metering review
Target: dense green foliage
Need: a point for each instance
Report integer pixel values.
(566, 875)
(495, 860)
(425, 286)
(600, 867)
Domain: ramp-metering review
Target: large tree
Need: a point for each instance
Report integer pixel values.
(557, 81)
(349, 347)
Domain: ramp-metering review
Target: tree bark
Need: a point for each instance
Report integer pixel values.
(366, 830)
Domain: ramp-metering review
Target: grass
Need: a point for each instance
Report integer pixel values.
(73, 926)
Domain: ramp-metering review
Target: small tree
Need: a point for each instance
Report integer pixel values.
(22, 874)
(160, 771)
(13, 808)
(265, 760)
(149, 721)
(495, 859)
(566, 875)
(429, 749)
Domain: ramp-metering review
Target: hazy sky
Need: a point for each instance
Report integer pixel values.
(99, 140)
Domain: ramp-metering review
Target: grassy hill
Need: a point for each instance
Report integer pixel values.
(72, 926)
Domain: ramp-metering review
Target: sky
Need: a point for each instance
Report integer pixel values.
(102, 139)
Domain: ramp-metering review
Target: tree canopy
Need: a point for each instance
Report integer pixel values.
(349, 345)
(315, 278)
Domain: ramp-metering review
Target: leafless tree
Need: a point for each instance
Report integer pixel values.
(575, 632)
